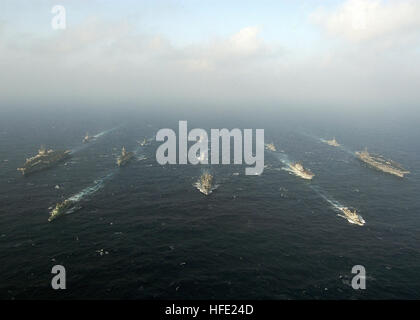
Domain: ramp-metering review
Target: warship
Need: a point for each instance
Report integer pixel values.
(332, 142)
(60, 208)
(205, 183)
(300, 171)
(87, 138)
(270, 146)
(124, 157)
(352, 216)
(143, 143)
(43, 160)
(378, 162)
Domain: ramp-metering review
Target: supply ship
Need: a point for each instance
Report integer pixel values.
(124, 157)
(43, 160)
(380, 163)
(205, 183)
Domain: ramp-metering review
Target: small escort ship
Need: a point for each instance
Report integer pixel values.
(378, 162)
(43, 160)
(205, 183)
(87, 138)
(124, 157)
(298, 169)
(332, 142)
(60, 208)
(270, 146)
(352, 216)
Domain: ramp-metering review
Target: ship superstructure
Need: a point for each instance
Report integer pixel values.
(298, 169)
(205, 183)
(43, 160)
(382, 164)
(124, 157)
(271, 147)
(352, 216)
(60, 208)
(332, 142)
(87, 138)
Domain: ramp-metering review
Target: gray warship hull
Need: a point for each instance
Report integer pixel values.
(122, 161)
(379, 163)
(44, 163)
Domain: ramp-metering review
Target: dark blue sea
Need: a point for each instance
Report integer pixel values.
(145, 232)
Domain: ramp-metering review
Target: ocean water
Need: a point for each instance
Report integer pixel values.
(145, 232)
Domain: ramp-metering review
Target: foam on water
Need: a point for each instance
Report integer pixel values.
(336, 205)
(341, 147)
(85, 145)
(98, 185)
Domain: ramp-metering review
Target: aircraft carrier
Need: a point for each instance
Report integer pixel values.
(380, 163)
(43, 160)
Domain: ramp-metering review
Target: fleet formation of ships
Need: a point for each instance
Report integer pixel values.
(375, 161)
(48, 158)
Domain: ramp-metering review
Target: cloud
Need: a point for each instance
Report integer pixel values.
(368, 20)
(103, 62)
(114, 64)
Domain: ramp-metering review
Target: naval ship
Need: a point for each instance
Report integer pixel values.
(300, 171)
(270, 146)
(352, 216)
(143, 143)
(332, 142)
(66, 206)
(378, 162)
(205, 183)
(124, 157)
(43, 160)
(87, 138)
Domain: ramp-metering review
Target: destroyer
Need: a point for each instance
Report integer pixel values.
(378, 162)
(124, 157)
(143, 143)
(332, 142)
(61, 208)
(352, 216)
(205, 183)
(87, 138)
(300, 171)
(43, 160)
(270, 146)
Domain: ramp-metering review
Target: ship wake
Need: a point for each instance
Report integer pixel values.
(98, 185)
(336, 205)
(72, 204)
(95, 137)
(341, 147)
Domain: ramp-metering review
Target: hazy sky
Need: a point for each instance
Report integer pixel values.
(352, 54)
